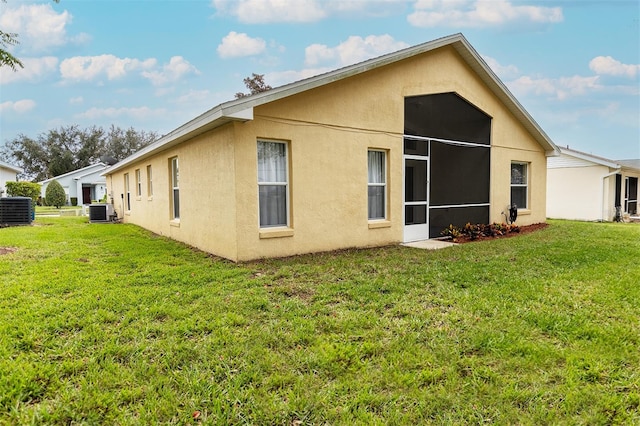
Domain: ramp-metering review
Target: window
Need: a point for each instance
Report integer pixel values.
(149, 182)
(519, 185)
(377, 184)
(273, 184)
(631, 195)
(127, 192)
(175, 189)
(138, 183)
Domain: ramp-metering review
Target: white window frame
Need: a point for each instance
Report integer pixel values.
(138, 183)
(127, 193)
(149, 181)
(174, 183)
(378, 184)
(527, 171)
(284, 183)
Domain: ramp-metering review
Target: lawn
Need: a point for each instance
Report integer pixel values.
(109, 324)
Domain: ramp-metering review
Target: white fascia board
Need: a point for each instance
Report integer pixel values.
(242, 108)
(92, 166)
(591, 158)
(475, 61)
(211, 119)
(11, 167)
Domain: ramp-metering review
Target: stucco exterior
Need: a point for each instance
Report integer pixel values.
(328, 131)
(85, 184)
(582, 186)
(8, 173)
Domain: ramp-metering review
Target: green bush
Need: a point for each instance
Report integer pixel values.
(23, 189)
(54, 195)
(74, 201)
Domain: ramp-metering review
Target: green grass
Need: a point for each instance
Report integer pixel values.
(52, 209)
(109, 324)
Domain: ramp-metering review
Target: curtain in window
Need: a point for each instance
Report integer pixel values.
(272, 180)
(377, 183)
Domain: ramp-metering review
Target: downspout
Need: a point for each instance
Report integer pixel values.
(602, 205)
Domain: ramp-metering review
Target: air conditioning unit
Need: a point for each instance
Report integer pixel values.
(16, 211)
(101, 213)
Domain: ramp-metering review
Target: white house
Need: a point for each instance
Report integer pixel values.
(85, 184)
(584, 186)
(8, 172)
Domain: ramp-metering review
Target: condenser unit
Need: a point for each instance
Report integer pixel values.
(16, 211)
(100, 213)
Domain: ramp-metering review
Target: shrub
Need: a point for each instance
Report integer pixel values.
(23, 189)
(74, 201)
(54, 195)
(473, 232)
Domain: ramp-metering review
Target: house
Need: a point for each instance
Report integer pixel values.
(588, 187)
(390, 150)
(8, 173)
(85, 184)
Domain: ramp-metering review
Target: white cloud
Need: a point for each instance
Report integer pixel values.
(87, 68)
(236, 45)
(77, 100)
(173, 71)
(503, 71)
(480, 13)
(21, 106)
(269, 11)
(34, 69)
(560, 88)
(355, 49)
(284, 77)
(39, 26)
(194, 96)
(140, 113)
(606, 65)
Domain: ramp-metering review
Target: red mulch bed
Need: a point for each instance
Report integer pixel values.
(523, 230)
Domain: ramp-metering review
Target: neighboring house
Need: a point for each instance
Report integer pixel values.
(8, 173)
(390, 150)
(587, 187)
(85, 184)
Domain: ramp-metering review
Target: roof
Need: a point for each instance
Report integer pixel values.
(10, 167)
(80, 172)
(242, 109)
(632, 164)
(589, 157)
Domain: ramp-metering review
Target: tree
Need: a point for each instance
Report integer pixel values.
(255, 84)
(54, 195)
(70, 148)
(6, 41)
(23, 189)
(123, 143)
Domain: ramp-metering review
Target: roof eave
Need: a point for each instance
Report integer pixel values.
(242, 109)
(211, 119)
(465, 49)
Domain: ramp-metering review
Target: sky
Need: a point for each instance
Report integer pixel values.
(155, 64)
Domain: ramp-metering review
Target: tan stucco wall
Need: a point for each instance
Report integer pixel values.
(207, 193)
(328, 130)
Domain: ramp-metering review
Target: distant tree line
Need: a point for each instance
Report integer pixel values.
(70, 148)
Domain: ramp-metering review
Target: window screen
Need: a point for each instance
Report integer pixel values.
(439, 219)
(446, 116)
(459, 174)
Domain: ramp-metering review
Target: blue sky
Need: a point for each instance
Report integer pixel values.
(154, 64)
